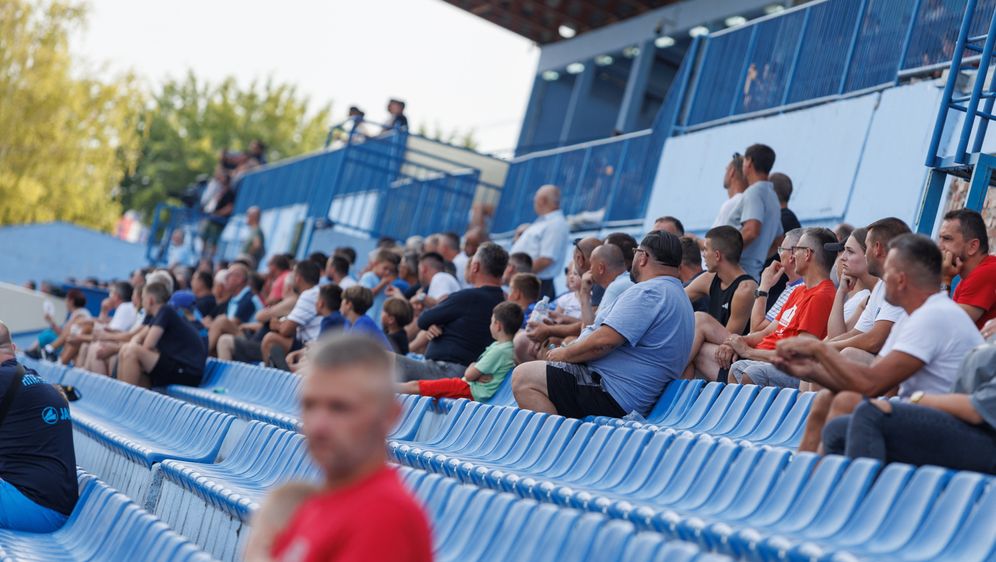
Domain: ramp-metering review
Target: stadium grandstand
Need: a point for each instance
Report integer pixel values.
(731, 297)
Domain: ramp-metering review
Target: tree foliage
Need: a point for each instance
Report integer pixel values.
(66, 137)
(191, 121)
(465, 139)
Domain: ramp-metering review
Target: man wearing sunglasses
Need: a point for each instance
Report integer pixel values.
(622, 362)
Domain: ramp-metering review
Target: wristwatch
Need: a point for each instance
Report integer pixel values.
(758, 293)
(916, 397)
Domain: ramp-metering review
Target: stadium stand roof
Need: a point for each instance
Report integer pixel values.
(540, 21)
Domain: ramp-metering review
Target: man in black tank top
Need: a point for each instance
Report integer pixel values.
(731, 293)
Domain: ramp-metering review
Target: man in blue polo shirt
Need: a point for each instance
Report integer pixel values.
(38, 487)
(242, 307)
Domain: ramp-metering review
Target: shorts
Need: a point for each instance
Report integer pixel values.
(211, 231)
(20, 513)
(170, 371)
(247, 350)
(762, 373)
(445, 388)
(576, 392)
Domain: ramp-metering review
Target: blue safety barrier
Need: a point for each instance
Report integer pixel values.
(105, 525)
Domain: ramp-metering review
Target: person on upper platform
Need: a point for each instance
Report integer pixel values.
(546, 239)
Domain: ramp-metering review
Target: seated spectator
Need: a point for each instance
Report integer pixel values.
(337, 271)
(956, 430)
(408, 274)
(766, 305)
(327, 307)
(567, 307)
(749, 357)
(735, 184)
(458, 328)
(546, 239)
(51, 339)
(691, 269)
(670, 224)
(622, 362)
(482, 378)
(922, 353)
(608, 270)
(202, 285)
(303, 324)
(518, 262)
(124, 314)
(431, 275)
(100, 356)
(856, 283)
(397, 314)
(524, 291)
(965, 245)
(171, 351)
(869, 333)
(347, 252)
(626, 243)
(38, 488)
(472, 240)
(363, 511)
(356, 302)
(180, 252)
(731, 295)
(239, 308)
(255, 244)
(277, 269)
(383, 272)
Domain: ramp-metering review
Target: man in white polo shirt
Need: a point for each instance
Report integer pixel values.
(547, 238)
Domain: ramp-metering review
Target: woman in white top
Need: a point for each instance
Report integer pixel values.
(855, 286)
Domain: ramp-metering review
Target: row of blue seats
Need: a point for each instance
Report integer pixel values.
(469, 523)
(105, 525)
(248, 391)
(757, 502)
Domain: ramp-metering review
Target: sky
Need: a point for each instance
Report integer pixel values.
(453, 69)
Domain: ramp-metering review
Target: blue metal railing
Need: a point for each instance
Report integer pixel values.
(820, 51)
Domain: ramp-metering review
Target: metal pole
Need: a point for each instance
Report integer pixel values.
(942, 111)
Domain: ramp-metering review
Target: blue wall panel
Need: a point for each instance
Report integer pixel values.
(55, 251)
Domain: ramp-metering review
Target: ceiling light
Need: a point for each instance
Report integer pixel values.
(631, 52)
(734, 21)
(664, 41)
(774, 9)
(603, 60)
(698, 30)
(566, 31)
(575, 68)
(550, 75)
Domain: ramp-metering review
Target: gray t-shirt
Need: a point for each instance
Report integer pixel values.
(978, 378)
(759, 203)
(657, 322)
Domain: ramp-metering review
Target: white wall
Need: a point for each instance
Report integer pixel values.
(857, 160)
(22, 308)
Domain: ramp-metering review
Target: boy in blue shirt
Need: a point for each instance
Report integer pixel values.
(327, 306)
(356, 301)
(483, 377)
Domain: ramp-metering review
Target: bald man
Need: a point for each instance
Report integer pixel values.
(362, 511)
(472, 240)
(546, 239)
(608, 270)
(38, 487)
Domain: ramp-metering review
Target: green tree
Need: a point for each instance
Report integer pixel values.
(191, 121)
(464, 139)
(66, 137)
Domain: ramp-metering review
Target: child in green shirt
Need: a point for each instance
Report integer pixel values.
(483, 377)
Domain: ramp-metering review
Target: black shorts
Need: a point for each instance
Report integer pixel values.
(170, 371)
(247, 350)
(576, 392)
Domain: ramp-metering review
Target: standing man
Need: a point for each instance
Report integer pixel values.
(759, 217)
(398, 120)
(362, 511)
(255, 245)
(964, 244)
(735, 184)
(546, 239)
(38, 487)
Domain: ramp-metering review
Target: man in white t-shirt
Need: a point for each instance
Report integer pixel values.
(546, 240)
(472, 240)
(432, 276)
(922, 354)
(119, 301)
(303, 323)
(337, 271)
(873, 327)
(735, 184)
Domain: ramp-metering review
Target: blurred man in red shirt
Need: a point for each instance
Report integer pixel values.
(964, 244)
(363, 512)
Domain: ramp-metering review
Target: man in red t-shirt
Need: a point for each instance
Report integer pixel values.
(804, 313)
(964, 244)
(362, 512)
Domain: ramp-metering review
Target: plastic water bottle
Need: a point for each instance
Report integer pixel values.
(540, 311)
